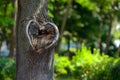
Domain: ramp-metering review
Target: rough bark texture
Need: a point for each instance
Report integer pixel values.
(32, 64)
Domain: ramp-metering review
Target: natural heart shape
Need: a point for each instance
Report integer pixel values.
(41, 35)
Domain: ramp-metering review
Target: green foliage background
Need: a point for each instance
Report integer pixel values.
(83, 66)
(87, 66)
(88, 21)
(7, 69)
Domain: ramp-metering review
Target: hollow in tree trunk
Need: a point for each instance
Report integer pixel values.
(36, 38)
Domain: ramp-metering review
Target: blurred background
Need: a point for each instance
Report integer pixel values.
(89, 44)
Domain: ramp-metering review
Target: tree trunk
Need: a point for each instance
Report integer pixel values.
(110, 28)
(64, 24)
(109, 34)
(12, 38)
(119, 50)
(36, 36)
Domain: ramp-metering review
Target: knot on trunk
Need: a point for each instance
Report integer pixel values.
(41, 34)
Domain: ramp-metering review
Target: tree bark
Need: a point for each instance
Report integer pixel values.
(34, 60)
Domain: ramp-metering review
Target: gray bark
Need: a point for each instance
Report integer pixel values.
(33, 64)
